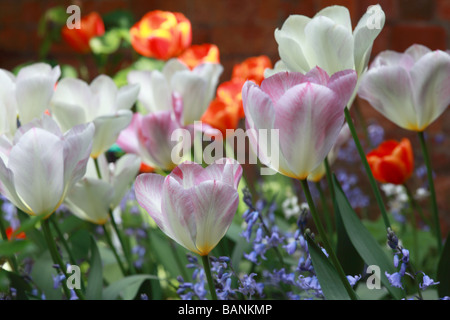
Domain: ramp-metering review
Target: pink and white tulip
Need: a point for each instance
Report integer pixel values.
(41, 164)
(192, 205)
(412, 89)
(100, 102)
(305, 110)
(153, 138)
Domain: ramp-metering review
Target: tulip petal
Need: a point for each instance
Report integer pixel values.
(34, 89)
(339, 14)
(378, 86)
(192, 88)
(148, 189)
(343, 84)
(125, 171)
(187, 173)
(154, 91)
(38, 165)
(309, 115)
(215, 204)
(126, 96)
(8, 190)
(77, 148)
(332, 45)
(89, 200)
(178, 209)
(155, 139)
(107, 129)
(225, 170)
(431, 79)
(365, 36)
(128, 138)
(290, 39)
(276, 85)
(106, 90)
(71, 92)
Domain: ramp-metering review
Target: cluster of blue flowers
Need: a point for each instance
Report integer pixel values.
(401, 258)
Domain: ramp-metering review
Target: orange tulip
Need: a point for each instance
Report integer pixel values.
(392, 161)
(10, 231)
(252, 69)
(145, 168)
(226, 109)
(197, 54)
(78, 39)
(161, 34)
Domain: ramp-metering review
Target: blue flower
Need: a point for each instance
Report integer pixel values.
(426, 282)
(395, 279)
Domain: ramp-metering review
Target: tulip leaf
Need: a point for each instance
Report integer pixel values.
(126, 287)
(95, 278)
(330, 282)
(11, 247)
(364, 243)
(349, 258)
(443, 272)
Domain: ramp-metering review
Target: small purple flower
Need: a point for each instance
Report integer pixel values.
(395, 279)
(426, 282)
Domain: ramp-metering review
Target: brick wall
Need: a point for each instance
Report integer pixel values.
(244, 28)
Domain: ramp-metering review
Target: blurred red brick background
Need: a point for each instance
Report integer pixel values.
(246, 28)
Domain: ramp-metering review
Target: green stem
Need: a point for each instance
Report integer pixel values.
(369, 173)
(122, 243)
(116, 255)
(115, 227)
(63, 240)
(417, 207)
(64, 243)
(324, 238)
(326, 211)
(413, 221)
(57, 258)
(434, 207)
(212, 289)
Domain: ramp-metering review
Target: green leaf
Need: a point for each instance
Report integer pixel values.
(330, 282)
(126, 287)
(443, 272)
(346, 253)
(11, 247)
(366, 246)
(95, 278)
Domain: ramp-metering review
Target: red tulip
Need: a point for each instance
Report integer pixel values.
(91, 26)
(161, 34)
(10, 231)
(197, 54)
(252, 69)
(392, 161)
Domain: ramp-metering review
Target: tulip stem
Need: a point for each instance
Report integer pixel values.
(113, 249)
(369, 173)
(57, 259)
(212, 289)
(122, 243)
(434, 207)
(325, 209)
(325, 241)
